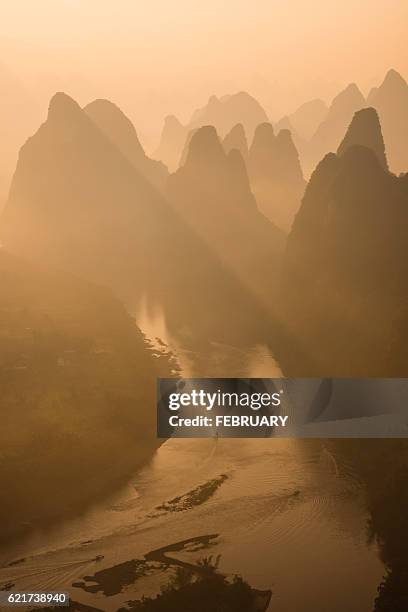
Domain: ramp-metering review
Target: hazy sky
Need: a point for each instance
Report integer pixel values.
(155, 57)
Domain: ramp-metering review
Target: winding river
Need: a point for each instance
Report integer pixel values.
(285, 514)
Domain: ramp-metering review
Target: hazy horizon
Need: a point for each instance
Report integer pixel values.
(154, 59)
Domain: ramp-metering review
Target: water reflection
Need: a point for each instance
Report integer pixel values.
(205, 358)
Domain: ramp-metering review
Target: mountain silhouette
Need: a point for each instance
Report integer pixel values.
(304, 122)
(365, 130)
(172, 142)
(186, 147)
(345, 271)
(236, 139)
(391, 102)
(331, 131)
(211, 192)
(285, 124)
(223, 113)
(121, 132)
(275, 174)
(299, 142)
(78, 202)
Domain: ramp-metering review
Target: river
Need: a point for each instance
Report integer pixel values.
(285, 514)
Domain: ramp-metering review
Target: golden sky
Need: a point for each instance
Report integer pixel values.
(155, 57)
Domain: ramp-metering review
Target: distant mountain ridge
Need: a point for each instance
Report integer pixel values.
(223, 113)
(390, 100)
(79, 203)
(304, 122)
(211, 191)
(365, 130)
(331, 130)
(345, 288)
(236, 139)
(275, 174)
(120, 130)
